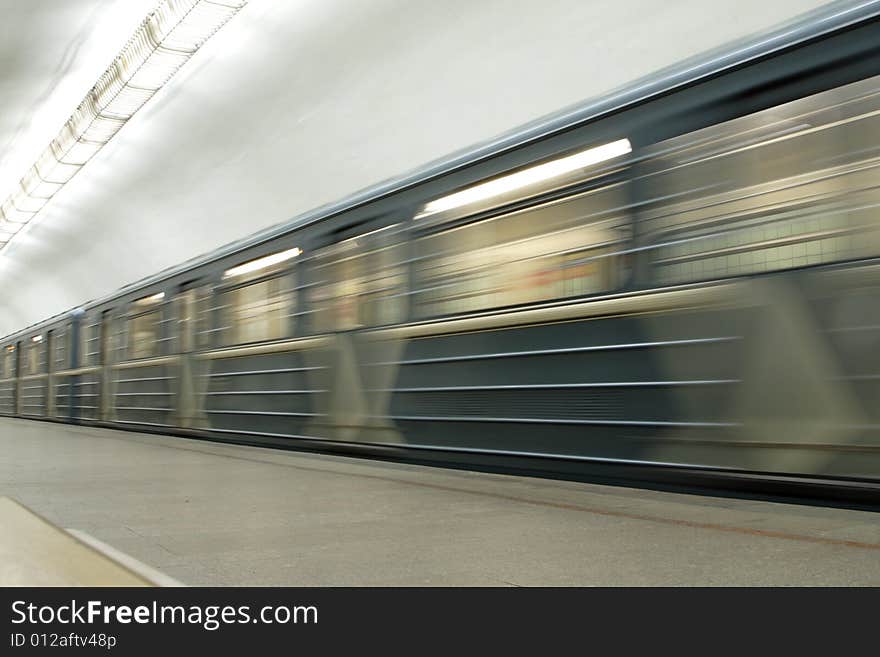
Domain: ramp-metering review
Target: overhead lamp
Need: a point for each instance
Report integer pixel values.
(37, 338)
(262, 263)
(530, 176)
(163, 42)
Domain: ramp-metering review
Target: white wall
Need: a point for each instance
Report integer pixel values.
(296, 104)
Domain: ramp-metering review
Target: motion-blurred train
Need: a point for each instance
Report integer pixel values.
(677, 284)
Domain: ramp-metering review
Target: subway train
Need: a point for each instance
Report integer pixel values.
(677, 286)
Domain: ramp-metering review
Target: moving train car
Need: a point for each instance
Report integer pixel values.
(679, 285)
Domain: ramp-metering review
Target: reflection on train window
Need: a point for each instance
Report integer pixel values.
(787, 187)
(143, 335)
(560, 249)
(35, 355)
(361, 282)
(256, 312)
(257, 301)
(144, 329)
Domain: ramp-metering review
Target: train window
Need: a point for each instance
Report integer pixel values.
(257, 300)
(35, 355)
(560, 249)
(59, 349)
(362, 281)
(257, 312)
(787, 187)
(90, 342)
(144, 327)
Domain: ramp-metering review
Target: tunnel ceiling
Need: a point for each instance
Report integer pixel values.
(294, 105)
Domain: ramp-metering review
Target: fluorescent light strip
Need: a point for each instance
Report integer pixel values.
(530, 176)
(165, 40)
(262, 263)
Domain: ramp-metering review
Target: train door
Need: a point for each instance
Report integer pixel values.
(7, 380)
(109, 346)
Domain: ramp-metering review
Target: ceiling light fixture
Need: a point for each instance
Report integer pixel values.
(530, 176)
(165, 40)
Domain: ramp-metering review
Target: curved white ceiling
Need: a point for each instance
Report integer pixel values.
(297, 104)
(51, 54)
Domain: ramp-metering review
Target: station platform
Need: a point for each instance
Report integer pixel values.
(205, 513)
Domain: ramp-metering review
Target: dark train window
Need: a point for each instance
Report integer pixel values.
(787, 187)
(257, 300)
(361, 281)
(563, 248)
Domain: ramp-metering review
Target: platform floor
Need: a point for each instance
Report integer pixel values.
(213, 514)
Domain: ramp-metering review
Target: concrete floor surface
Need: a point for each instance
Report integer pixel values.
(216, 514)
